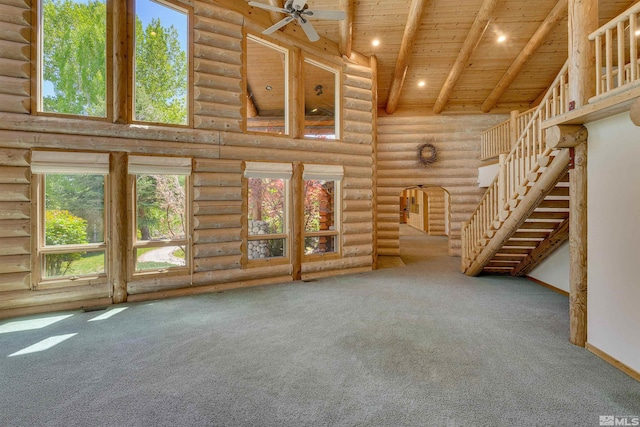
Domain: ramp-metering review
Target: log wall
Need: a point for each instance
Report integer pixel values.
(216, 143)
(457, 141)
(15, 56)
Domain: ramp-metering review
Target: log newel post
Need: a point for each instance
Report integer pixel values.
(513, 128)
(578, 247)
(583, 20)
(119, 226)
(502, 188)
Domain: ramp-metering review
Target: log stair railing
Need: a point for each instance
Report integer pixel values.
(524, 213)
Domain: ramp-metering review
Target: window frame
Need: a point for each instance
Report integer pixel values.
(307, 59)
(39, 194)
(150, 163)
(287, 84)
(269, 170)
(131, 36)
(37, 58)
(114, 78)
(333, 173)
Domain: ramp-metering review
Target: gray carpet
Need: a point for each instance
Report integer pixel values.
(421, 345)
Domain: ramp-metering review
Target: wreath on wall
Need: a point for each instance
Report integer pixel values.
(427, 154)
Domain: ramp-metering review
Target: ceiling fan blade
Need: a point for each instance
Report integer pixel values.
(336, 15)
(311, 32)
(278, 25)
(298, 4)
(267, 7)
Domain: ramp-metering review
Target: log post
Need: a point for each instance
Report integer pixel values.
(578, 247)
(373, 62)
(635, 112)
(119, 222)
(583, 20)
(297, 223)
(345, 42)
(502, 188)
(513, 128)
(566, 136)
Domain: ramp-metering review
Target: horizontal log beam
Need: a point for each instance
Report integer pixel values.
(566, 136)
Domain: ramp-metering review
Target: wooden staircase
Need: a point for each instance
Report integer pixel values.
(524, 215)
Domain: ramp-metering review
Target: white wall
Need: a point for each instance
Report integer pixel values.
(554, 269)
(614, 238)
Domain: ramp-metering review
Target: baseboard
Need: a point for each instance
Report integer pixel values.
(612, 361)
(546, 285)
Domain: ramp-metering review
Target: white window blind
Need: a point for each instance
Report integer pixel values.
(268, 170)
(159, 165)
(323, 172)
(63, 162)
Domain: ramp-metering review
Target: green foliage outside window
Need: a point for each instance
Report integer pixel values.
(74, 66)
(63, 228)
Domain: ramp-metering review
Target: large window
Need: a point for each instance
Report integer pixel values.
(161, 216)
(268, 206)
(321, 209)
(71, 219)
(321, 101)
(267, 86)
(161, 66)
(73, 66)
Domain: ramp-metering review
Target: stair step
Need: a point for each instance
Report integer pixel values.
(530, 235)
(537, 225)
(563, 204)
(549, 215)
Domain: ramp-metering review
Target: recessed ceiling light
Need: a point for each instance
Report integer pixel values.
(422, 83)
(375, 42)
(502, 39)
(638, 33)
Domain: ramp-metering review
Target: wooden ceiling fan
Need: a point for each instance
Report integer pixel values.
(298, 10)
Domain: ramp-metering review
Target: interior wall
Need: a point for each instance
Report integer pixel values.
(457, 141)
(218, 147)
(554, 269)
(613, 236)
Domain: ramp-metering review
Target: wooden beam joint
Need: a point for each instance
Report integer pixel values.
(635, 112)
(566, 136)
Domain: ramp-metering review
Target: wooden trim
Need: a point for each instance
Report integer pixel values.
(373, 64)
(404, 57)
(546, 285)
(297, 221)
(613, 361)
(471, 42)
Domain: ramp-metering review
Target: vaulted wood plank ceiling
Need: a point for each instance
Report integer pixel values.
(443, 29)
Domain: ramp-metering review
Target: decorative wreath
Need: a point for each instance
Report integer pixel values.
(427, 154)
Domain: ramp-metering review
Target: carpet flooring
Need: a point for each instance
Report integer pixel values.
(421, 345)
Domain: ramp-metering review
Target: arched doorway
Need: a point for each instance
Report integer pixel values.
(425, 218)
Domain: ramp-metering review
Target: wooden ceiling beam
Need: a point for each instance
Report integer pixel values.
(275, 16)
(404, 57)
(558, 13)
(471, 42)
(346, 28)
